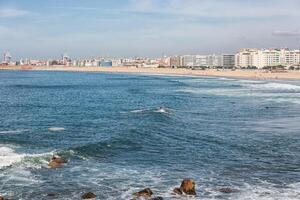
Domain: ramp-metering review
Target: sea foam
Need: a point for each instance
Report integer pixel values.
(9, 157)
(276, 87)
(56, 129)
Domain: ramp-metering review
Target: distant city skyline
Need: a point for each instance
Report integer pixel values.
(123, 28)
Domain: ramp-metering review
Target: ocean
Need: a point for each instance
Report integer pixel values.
(122, 133)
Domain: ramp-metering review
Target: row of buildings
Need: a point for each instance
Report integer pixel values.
(194, 61)
(245, 58)
(261, 58)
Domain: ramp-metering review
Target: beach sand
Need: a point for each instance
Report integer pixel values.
(250, 74)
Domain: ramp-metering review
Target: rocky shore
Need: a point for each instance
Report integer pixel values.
(186, 189)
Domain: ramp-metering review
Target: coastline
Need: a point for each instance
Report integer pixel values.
(248, 74)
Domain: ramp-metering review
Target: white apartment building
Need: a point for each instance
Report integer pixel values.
(188, 60)
(266, 58)
(244, 58)
(200, 61)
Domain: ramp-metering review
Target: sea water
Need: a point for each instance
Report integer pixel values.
(122, 133)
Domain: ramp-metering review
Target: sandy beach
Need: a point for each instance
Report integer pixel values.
(250, 74)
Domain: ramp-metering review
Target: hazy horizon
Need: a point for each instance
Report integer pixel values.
(46, 29)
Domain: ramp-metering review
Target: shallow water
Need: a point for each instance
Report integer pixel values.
(122, 133)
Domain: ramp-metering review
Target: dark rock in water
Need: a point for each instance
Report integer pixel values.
(88, 195)
(156, 198)
(58, 159)
(187, 187)
(53, 165)
(2, 198)
(177, 191)
(144, 193)
(226, 190)
(51, 195)
(56, 162)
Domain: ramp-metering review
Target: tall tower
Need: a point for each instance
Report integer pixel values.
(6, 57)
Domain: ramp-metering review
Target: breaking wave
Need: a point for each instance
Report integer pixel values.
(276, 87)
(9, 157)
(56, 129)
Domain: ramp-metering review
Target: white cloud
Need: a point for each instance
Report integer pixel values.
(10, 12)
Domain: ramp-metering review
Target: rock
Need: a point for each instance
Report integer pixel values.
(53, 165)
(144, 193)
(188, 187)
(51, 195)
(177, 191)
(2, 198)
(88, 195)
(156, 198)
(226, 190)
(56, 162)
(58, 159)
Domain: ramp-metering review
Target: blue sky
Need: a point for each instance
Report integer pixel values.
(47, 28)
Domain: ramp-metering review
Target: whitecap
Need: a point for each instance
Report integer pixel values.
(13, 131)
(276, 87)
(138, 111)
(56, 129)
(161, 110)
(9, 157)
(269, 191)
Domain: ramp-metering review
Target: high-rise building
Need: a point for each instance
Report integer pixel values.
(267, 58)
(6, 57)
(228, 61)
(244, 58)
(188, 60)
(201, 61)
(175, 61)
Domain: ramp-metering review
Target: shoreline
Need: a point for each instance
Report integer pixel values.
(226, 73)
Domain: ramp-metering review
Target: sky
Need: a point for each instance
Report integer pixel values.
(125, 28)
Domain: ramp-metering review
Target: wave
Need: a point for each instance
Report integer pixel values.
(56, 129)
(139, 110)
(162, 110)
(276, 87)
(9, 157)
(13, 131)
(269, 191)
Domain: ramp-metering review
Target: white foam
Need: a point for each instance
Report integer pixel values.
(250, 81)
(161, 110)
(138, 111)
(279, 87)
(13, 131)
(56, 129)
(9, 157)
(269, 192)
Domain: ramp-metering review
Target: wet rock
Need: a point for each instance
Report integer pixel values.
(177, 191)
(51, 195)
(226, 190)
(58, 159)
(156, 198)
(187, 187)
(143, 193)
(88, 195)
(56, 162)
(2, 198)
(54, 165)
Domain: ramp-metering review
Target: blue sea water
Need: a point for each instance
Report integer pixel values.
(122, 133)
